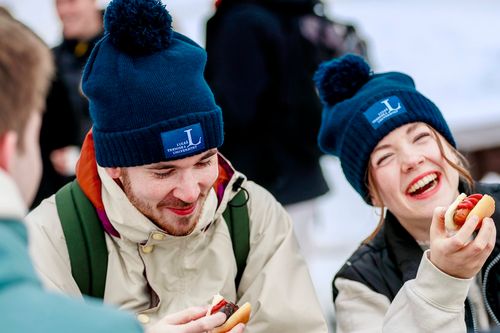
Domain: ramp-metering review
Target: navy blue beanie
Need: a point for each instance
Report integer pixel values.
(148, 98)
(361, 108)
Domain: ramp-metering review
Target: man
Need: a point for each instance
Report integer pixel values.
(26, 67)
(151, 169)
(81, 27)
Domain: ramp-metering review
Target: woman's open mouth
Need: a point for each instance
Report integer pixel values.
(424, 185)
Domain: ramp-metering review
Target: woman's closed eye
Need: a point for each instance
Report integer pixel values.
(421, 136)
(383, 158)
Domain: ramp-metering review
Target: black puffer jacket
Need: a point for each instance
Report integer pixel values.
(393, 257)
(66, 119)
(260, 69)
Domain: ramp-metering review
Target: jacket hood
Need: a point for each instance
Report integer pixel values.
(11, 203)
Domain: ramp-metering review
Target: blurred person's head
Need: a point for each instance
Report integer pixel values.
(156, 124)
(394, 145)
(81, 19)
(25, 71)
(284, 5)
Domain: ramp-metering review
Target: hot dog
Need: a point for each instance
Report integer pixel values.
(463, 206)
(234, 314)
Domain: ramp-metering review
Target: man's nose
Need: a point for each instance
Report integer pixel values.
(188, 188)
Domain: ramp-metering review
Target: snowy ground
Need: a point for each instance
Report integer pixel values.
(450, 48)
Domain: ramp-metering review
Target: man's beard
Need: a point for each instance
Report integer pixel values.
(181, 226)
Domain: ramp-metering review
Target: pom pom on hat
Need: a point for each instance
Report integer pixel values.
(138, 26)
(340, 78)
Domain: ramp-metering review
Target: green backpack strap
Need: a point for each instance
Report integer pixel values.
(238, 223)
(85, 239)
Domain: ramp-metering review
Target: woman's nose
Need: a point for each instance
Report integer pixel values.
(411, 160)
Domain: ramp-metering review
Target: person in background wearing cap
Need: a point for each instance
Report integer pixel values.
(27, 67)
(397, 152)
(151, 169)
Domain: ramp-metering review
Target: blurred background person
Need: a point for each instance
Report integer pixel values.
(67, 120)
(261, 58)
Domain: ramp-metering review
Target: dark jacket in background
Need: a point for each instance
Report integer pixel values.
(66, 119)
(260, 68)
(393, 256)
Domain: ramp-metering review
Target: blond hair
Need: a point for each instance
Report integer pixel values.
(26, 68)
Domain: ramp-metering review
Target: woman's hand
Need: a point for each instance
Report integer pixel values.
(461, 255)
(191, 320)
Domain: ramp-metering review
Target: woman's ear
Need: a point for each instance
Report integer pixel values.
(8, 146)
(376, 202)
(375, 199)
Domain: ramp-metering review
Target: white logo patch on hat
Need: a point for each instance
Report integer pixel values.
(183, 141)
(384, 109)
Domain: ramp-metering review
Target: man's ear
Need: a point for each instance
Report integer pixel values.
(114, 172)
(8, 146)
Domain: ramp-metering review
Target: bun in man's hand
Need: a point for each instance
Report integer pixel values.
(234, 314)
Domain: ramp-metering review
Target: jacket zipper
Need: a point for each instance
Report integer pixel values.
(473, 315)
(486, 274)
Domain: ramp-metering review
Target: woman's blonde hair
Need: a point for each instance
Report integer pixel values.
(462, 166)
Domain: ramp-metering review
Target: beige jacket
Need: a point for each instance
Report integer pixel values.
(432, 302)
(154, 274)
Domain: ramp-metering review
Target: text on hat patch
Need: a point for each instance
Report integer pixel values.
(384, 109)
(183, 141)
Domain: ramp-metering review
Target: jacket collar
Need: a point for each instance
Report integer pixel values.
(402, 247)
(131, 223)
(11, 202)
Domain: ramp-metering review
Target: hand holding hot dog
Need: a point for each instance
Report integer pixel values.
(192, 320)
(461, 255)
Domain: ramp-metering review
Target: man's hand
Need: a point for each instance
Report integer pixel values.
(191, 320)
(461, 255)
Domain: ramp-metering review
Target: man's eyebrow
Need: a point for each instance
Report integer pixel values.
(165, 166)
(208, 154)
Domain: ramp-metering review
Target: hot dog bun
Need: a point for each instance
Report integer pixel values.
(215, 299)
(448, 216)
(242, 315)
(485, 207)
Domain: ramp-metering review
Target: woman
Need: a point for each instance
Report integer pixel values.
(398, 153)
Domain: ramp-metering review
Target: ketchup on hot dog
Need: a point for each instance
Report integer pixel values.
(224, 306)
(465, 207)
